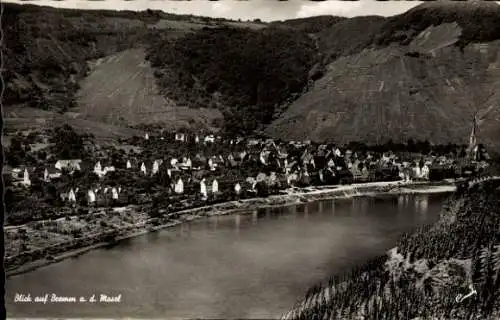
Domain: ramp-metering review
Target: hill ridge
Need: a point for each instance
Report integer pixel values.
(363, 78)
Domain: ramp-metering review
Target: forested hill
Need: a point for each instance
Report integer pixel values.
(421, 74)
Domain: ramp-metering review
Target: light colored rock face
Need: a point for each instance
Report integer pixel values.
(426, 90)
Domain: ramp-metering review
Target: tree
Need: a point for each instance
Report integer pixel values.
(16, 152)
(410, 145)
(68, 144)
(423, 147)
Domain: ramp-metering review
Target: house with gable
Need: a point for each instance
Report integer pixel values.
(209, 139)
(70, 165)
(179, 136)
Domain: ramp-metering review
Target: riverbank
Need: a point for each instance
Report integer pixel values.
(447, 271)
(40, 243)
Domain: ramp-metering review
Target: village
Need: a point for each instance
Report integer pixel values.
(170, 169)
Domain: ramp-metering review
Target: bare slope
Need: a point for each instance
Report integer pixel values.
(121, 90)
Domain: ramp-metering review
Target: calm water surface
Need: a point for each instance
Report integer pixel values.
(243, 266)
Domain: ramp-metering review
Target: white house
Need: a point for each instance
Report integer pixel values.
(253, 142)
(70, 165)
(237, 188)
(98, 168)
(186, 163)
(173, 162)
(262, 158)
(108, 169)
(143, 168)
(91, 196)
(215, 186)
(291, 178)
(71, 196)
(146, 136)
(211, 164)
(203, 188)
(156, 166)
(129, 164)
(425, 171)
(114, 193)
(417, 172)
(26, 179)
(180, 137)
(51, 173)
(179, 186)
(209, 139)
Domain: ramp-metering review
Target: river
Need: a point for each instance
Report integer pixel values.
(237, 266)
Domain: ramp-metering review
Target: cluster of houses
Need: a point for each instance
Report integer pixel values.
(256, 160)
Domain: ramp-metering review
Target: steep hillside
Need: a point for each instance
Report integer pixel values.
(348, 36)
(244, 73)
(121, 90)
(423, 79)
(49, 54)
(46, 49)
(421, 74)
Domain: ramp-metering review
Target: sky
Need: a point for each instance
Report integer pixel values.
(266, 10)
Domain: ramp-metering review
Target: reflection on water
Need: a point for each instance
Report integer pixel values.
(237, 219)
(254, 265)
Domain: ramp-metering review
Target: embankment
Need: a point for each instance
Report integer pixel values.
(450, 270)
(43, 242)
